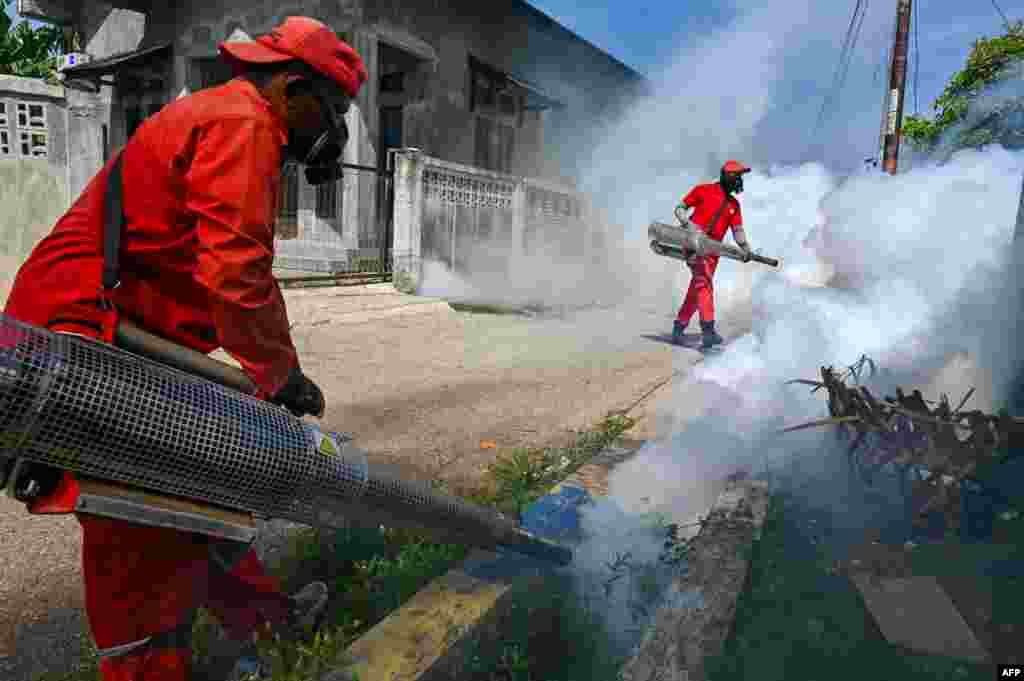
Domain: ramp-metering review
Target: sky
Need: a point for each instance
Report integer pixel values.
(659, 38)
(649, 39)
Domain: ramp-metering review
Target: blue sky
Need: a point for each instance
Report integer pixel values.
(647, 36)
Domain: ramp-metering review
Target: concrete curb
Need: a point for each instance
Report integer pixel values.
(701, 605)
(462, 613)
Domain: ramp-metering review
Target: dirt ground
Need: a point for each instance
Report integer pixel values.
(420, 389)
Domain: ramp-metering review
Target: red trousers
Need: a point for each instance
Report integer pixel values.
(701, 294)
(143, 581)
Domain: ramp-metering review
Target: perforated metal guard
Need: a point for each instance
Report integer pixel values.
(94, 409)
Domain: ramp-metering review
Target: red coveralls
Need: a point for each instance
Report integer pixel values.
(706, 199)
(201, 182)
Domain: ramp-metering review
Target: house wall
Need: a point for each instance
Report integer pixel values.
(33, 188)
(505, 35)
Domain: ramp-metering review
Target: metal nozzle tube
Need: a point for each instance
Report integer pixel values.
(80, 405)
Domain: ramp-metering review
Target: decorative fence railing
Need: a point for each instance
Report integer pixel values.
(445, 211)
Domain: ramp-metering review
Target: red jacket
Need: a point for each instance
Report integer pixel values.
(201, 180)
(706, 199)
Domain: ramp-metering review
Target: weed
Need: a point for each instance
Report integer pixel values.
(87, 669)
(305, 661)
(404, 282)
(522, 476)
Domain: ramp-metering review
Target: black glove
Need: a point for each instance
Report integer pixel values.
(300, 395)
(747, 253)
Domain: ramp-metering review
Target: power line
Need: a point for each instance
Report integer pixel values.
(917, 58)
(853, 45)
(999, 9)
(849, 41)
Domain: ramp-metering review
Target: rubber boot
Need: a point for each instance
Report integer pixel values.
(711, 337)
(678, 328)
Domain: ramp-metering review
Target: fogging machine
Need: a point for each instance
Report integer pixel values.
(163, 435)
(686, 241)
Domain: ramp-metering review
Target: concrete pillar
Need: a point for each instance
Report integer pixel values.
(406, 247)
(87, 113)
(365, 135)
(519, 215)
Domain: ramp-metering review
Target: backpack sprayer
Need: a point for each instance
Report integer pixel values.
(686, 241)
(160, 434)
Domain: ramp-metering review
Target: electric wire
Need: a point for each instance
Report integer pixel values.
(853, 46)
(842, 68)
(835, 78)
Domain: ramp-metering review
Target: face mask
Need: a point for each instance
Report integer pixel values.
(732, 184)
(320, 150)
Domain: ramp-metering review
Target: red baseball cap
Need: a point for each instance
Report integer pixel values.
(309, 41)
(735, 167)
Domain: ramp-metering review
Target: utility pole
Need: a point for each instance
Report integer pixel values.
(897, 83)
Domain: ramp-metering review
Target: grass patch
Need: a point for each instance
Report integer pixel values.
(523, 475)
(370, 573)
(485, 308)
(570, 645)
(797, 620)
(404, 282)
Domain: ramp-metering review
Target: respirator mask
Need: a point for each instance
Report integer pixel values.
(732, 183)
(320, 150)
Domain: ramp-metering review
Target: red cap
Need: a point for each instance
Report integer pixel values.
(735, 167)
(309, 41)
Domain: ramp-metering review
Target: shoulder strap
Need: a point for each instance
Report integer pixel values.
(113, 227)
(718, 213)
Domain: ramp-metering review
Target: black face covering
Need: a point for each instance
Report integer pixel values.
(320, 150)
(732, 183)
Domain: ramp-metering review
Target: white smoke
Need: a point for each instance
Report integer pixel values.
(923, 258)
(910, 270)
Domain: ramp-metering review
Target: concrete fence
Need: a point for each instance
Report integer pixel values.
(445, 211)
(34, 180)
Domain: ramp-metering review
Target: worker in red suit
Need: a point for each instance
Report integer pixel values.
(716, 210)
(199, 184)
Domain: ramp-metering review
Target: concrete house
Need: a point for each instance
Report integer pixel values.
(498, 88)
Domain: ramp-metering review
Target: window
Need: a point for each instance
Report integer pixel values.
(33, 144)
(392, 82)
(484, 88)
(32, 132)
(498, 103)
(327, 200)
(495, 145)
(5, 131)
(494, 93)
(32, 116)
